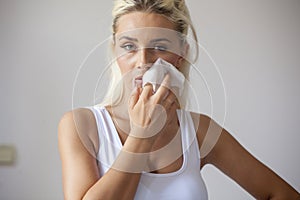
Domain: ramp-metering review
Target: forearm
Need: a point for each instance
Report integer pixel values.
(255, 177)
(122, 179)
(287, 197)
(114, 185)
(288, 194)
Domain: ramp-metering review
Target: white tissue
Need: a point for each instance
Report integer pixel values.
(155, 75)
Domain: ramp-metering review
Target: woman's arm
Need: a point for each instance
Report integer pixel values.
(77, 129)
(81, 179)
(236, 162)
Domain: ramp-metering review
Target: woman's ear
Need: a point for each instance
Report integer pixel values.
(179, 62)
(113, 46)
(185, 50)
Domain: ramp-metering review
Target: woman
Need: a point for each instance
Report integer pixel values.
(139, 144)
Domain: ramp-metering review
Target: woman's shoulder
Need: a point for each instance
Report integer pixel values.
(202, 123)
(78, 117)
(200, 119)
(79, 125)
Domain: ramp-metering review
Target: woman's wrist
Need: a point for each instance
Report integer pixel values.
(138, 145)
(134, 156)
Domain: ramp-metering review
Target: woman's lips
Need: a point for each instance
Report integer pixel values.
(138, 81)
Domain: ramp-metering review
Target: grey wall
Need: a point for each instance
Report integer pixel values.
(255, 45)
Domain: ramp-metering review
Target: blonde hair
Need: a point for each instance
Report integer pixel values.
(174, 10)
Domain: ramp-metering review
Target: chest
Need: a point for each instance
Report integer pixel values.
(166, 155)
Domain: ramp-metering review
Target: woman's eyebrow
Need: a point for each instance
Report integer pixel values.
(161, 40)
(152, 41)
(128, 38)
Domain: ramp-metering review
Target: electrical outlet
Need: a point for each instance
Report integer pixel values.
(7, 154)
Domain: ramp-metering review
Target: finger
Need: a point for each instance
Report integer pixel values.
(163, 89)
(173, 107)
(171, 113)
(175, 90)
(166, 81)
(134, 98)
(169, 100)
(147, 91)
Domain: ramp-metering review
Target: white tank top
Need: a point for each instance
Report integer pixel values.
(184, 184)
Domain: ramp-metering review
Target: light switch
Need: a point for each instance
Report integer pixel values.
(7, 154)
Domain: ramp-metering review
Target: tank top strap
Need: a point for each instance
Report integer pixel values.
(189, 138)
(109, 141)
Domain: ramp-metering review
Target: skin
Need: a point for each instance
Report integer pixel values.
(78, 136)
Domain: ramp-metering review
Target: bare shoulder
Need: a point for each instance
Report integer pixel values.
(201, 124)
(201, 118)
(78, 116)
(79, 126)
(78, 146)
(208, 134)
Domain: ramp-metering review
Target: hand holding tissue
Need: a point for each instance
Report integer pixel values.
(155, 76)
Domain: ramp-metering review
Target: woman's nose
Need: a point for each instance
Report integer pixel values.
(145, 59)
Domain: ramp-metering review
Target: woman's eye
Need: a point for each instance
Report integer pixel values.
(160, 48)
(128, 47)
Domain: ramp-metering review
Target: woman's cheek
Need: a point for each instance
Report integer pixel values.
(173, 59)
(125, 63)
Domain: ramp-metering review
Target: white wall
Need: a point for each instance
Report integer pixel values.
(255, 44)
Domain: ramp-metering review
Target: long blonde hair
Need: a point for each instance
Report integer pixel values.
(174, 10)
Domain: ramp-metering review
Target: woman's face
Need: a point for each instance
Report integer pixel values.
(142, 38)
